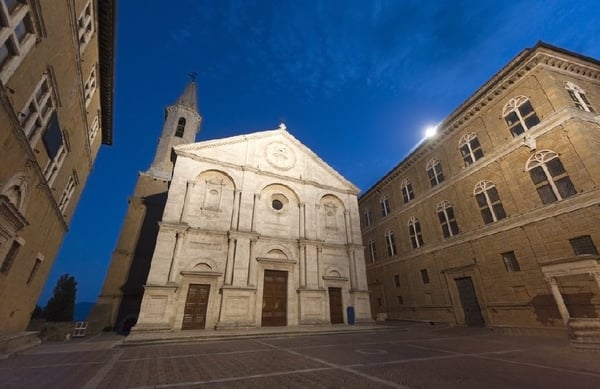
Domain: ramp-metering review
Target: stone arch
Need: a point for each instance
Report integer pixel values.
(204, 264)
(216, 189)
(275, 188)
(334, 272)
(16, 190)
(276, 251)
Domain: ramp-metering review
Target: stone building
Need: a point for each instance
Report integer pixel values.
(253, 230)
(495, 221)
(56, 91)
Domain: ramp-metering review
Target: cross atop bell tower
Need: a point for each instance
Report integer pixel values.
(182, 124)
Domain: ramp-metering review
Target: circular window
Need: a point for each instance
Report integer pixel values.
(277, 204)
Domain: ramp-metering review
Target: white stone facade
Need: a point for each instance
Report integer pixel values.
(240, 206)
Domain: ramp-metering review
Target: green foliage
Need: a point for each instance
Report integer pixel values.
(61, 306)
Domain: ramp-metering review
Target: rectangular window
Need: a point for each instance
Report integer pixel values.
(67, 194)
(372, 251)
(379, 301)
(400, 300)
(10, 257)
(85, 26)
(368, 220)
(407, 192)
(397, 280)
(390, 243)
(424, 276)
(510, 262)
(583, 245)
(34, 270)
(16, 36)
(385, 207)
(37, 112)
(94, 129)
(56, 149)
(90, 87)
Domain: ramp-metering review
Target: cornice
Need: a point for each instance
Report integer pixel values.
(495, 88)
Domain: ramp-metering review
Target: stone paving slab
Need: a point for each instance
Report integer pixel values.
(416, 356)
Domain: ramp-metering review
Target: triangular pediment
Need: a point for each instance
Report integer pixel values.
(275, 152)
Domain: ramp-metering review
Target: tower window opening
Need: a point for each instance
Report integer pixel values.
(180, 128)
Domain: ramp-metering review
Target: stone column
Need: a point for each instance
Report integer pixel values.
(319, 267)
(348, 226)
(302, 218)
(189, 186)
(352, 267)
(235, 215)
(230, 262)
(256, 199)
(176, 248)
(251, 263)
(317, 222)
(560, 302)
(302, 263)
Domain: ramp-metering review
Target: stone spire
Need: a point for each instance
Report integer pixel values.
(182, 124)
(188, 98)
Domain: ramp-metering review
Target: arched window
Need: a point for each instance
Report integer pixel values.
(447, 220)
(519, 115)
(368, 219)
(489, 202)
(385, 206)
(549, 176)
(434, 172)
(414, 231)
(180, 127)
(578, 96)
(407, 191)
(372, 251)
(470, 149)
(390, 243)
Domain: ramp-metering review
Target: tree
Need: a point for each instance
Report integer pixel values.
(61, 306)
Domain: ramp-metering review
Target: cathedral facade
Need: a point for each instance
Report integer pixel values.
(255, 230)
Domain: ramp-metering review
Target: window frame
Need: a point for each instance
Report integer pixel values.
(483, 188)
(390, 243)
(515, 106)
(511, 263)
(540, 159)
(444, 208)
(408, 193)
(472, 152)
(373, 250)
(579, 97)
(68, 192)
(90, 86)
(425, 276)
(85, 26)
(16, 47)
(37, 112)
(583, 245)
(435, 177)
(415, 235)
(368, 218)
(385, 206)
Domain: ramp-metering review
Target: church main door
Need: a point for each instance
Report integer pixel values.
(274, 311)
(194, 316)
(336, 311)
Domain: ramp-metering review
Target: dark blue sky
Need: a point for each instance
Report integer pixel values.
(356, 81)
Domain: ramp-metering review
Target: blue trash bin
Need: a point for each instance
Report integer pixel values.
(350, 312)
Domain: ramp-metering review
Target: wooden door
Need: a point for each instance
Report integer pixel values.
(336, 311)
(469, 302)
(274, 311)
(194, 316)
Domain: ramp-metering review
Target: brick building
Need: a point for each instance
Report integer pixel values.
(495, 220)
(56, 91)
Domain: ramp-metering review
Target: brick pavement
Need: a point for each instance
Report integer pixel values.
(410, 356)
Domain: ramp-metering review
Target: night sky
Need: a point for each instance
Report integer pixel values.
(355, 81)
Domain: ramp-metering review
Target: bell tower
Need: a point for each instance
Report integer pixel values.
(182, 124)
(119, 302)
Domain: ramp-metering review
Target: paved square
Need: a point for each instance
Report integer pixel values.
(409, 356)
